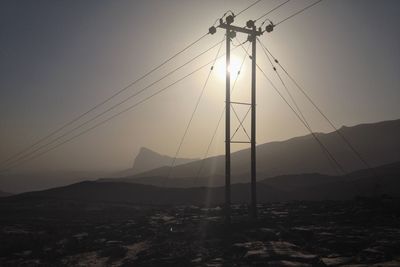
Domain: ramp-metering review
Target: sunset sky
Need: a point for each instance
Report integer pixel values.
(60, 58)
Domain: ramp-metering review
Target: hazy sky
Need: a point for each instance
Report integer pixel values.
(59, 58)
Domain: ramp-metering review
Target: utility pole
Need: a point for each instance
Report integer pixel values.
(253, 39)
(252, 34)
(228, 127)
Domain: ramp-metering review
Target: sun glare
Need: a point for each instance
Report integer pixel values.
(233, 68)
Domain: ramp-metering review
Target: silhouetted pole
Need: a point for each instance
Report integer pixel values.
(252, 32)
(228, 129)
(253, 126)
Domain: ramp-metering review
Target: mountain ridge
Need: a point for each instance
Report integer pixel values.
(358, 183)
(378, 143)
(4, 194)
(148, 159)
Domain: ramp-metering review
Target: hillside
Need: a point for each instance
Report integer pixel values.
(378, 143)
(32, 181)
(321, 187)
(148, 159)
(4, 194)
(282, 188)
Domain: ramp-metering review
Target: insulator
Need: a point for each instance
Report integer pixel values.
(269, 27)
(229, 19)
(250, 24)
(232, 34)
(276, 61)
(212, 30)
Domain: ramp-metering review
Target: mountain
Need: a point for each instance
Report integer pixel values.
(283, 188)
(4, 194)
(301, 181)
(24, 182)
(32, 181)
(386, 180)
(118, 192)
(148, 159)
(378, 143)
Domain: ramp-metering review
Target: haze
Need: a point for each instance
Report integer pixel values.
(59, 58)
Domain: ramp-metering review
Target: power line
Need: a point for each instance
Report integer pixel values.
(283, 83)
(110, 118)
(115, 105)
(298, 12)
(219, 121)
(304, 120)
(238, 14)
(21, 152)
(272, 10)
(336, 130)
(223, 16)
(193, 113)
(256, 2)
(103, 102)
(305, 125)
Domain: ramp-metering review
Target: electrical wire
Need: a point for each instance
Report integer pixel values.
(298, 12)
(218, 123)
(223, 16)
(256, 2)
(336, 130)
(102, 102)
(339, 166)
(192, 115)
(12, 158)
(304, 120)
(272, 10)
(115, 105)
(238, 14)
(284, 84)
(108, 119)
(305, 125)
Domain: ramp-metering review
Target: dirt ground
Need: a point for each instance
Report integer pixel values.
(364, 232)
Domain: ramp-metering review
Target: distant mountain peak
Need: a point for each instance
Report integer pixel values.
(147, 152)
(148, 159)
(144, 149)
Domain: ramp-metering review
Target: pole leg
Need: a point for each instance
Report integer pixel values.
(253, 129)
(228, 132)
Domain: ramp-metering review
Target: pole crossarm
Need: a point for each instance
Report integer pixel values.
(240, 103)
(226, 26)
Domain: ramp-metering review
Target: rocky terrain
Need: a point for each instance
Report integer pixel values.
(362, 232)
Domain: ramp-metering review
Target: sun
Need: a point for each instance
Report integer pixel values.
(233, 68)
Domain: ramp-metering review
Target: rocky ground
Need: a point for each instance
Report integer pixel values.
(365, 232)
